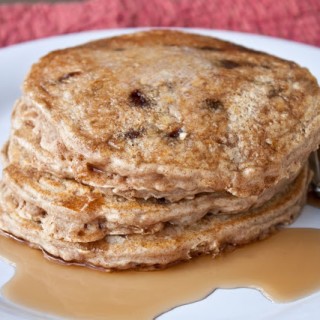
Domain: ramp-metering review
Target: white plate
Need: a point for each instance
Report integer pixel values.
(223, 304)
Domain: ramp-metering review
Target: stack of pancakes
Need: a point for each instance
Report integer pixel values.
(146, 149)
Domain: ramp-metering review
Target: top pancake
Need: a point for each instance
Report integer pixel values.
(170, 111)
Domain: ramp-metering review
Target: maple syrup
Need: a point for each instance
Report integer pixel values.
(273, 266)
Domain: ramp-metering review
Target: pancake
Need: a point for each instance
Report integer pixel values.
(78, 213)
(147, 149)
(170, 113)
(210, 235)
(34, 143)
(28, 144)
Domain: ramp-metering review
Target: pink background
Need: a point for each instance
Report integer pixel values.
(297, 20)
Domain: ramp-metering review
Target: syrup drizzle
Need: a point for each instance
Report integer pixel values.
(273, 266)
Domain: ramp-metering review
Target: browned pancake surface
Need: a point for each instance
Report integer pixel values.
(171, 111)
(211, 234)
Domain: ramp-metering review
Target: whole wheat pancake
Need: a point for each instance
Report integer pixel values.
(174, 243)
(78, 213)
(143, 150)
(165, 112)
(35, 143)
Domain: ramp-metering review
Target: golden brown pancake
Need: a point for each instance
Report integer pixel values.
(78, 213)
(168, 113)
(147, 149)
(210, 235)
(34, 143)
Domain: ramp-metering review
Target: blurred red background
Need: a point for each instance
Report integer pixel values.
(297, 20)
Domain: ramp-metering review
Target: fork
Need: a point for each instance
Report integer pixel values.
(315, 166)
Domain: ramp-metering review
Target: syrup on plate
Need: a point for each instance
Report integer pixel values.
(273, 266)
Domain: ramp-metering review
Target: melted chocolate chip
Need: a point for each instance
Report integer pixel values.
(229, 64)
(161, 201)
(133, 134)
(213, 104)
(138, 99)
(44, 214)
(274, 92)
(175, 133)
(119, 49)
(69, 75)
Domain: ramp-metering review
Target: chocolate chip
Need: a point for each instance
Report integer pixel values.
(119, 49)
(175, 133)
(213, 104)
(138, 99)
(44, 214)
(161, 201)
(229, 64)
(133, 134)
(69, 75)
(274, 92)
